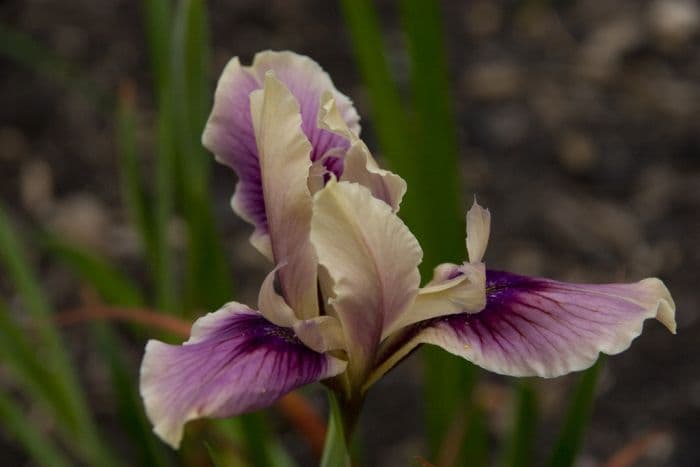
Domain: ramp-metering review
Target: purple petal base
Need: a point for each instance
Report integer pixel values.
(540, 327)
(236, 361)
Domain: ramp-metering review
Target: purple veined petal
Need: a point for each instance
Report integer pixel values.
(541, 327)
(538, 327)
(370, 263)
(283, 152)
(229, 131)
(358, 165)
(234, 362)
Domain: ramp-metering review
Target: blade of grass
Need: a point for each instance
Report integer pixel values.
(112, 285)
(38, 446)
(208, 280)
(576, 420)
(135, 198)
(388, 110)
(441, 231)
(475, 453)
(158, 17)
(519, 452)
(23, 361)
(129, 406)
(57, 362)
(257, 439)
(335, 453)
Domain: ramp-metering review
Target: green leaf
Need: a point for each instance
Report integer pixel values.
(56, 360)
(441, 231)
(576, 420)
(388, 111)
(37, 445)
(132, 184)
(256, 435)
(335, 451)
(158, 19)
(129, 406)
(23, 360)
(112, 285)
(519, 452)
(208, 279)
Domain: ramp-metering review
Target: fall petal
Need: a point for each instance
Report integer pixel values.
(234, 362)
(534, 326)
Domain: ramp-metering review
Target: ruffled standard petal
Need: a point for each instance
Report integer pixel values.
(371, 259)
(234, 362)
(229, 130)
(358, 164)
(284, 168)
(541, 327)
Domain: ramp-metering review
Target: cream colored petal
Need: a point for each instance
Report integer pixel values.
(359, 165)
(284, 167)
(271, 305)
(465, 293)
(322, 333)
(372, 260)
(478, 229)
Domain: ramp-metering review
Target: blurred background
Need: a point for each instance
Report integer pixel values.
(578, 126)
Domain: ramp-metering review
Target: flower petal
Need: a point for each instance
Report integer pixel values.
(358, 164)
(234, 362)
(534, 326)
(461, 292)
(284, 168)
(229, 130)
(478, 229)
(371, 259)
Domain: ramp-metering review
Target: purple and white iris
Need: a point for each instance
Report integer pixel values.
(343, 302)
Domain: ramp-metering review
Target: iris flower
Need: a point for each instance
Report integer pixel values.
(343, 302)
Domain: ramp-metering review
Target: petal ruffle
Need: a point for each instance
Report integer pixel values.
(235, 361)
(229, 130)
(371, 260)
(541, 327)
(358, 164)
(284, 169)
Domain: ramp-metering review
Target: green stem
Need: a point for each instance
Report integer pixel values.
(335, 451)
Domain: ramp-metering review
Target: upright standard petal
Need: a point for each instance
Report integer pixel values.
(358, 164)
(234, 362)
(229, 130)
(372, 263)
(284, 168)
(540, 327)
(478, 231)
